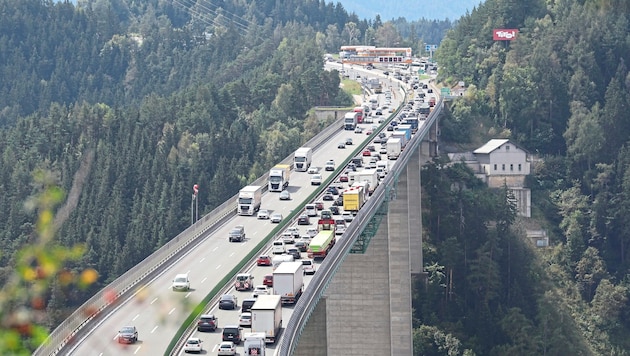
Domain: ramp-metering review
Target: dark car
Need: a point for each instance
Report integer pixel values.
(338, 201)
(294, 252)
(128, 335)
(207, 322)
(302, 246)
(268, 279)
(390, 128)
(328, 197)
(228, 301)
(333, 190)
(357, 161)
(247, 304)
(303, 220)
(334, 210)
(233, 333)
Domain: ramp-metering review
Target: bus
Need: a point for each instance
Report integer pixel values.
(321, 244)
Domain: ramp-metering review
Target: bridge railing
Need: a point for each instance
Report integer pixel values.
(309, 299)
(69, 331)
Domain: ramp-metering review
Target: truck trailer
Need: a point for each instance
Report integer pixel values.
(353, 199)
(288, 281)
(249, 199)
(267, 315)
(279, 177)
(394, 147)
(302, 159)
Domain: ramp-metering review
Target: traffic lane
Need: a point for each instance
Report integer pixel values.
(224, 259)
(231, 317)
(211, 340)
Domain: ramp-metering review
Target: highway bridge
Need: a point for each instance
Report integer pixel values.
(358, 302)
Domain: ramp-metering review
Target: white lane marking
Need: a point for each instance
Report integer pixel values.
(204, 279)
(115, 337)
(171, 312)
(155, 327)
(214, 249)
(154, 300)
(202, 260)
(219, 266)
(138, 349)
(187, 295)
(232, 254)
(135, 317)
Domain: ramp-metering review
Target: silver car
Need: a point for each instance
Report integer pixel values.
(285, 195)
(276, 218)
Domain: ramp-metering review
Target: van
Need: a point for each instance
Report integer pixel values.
(277, 247)
(310, 210)
(246, 306)
(181, 282)
(233, 333)
(277, 260)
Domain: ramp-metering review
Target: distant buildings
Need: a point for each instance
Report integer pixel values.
(500, 162)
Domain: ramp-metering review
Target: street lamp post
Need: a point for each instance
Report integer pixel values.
(194, 205)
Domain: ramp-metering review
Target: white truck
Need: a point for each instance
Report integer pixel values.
(382, 168)
(267, 316)
(254, 344)
(302, 159)
(279, 177)
(369, 175)
(249, 199)
(288, 281)
(394, 146)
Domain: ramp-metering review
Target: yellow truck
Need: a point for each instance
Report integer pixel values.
(353, 198)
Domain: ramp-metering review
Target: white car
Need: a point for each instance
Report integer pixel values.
(347, 216)
(260, 290)
(308, 266)
(276, 218)
(340, 229)
(316, 179)
(193, 345)
(263, 214)
(311, 232)
(330, 165)
(313, 170)
(226, 348)
(181, 282)
(245, 319)
(294, 230)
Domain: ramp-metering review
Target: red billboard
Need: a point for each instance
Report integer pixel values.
(501, 34)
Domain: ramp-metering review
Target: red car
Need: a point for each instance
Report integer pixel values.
(343, 178)
(264, 260)
(367, 153)
(368, 132)
(319, 205)
(268, 280)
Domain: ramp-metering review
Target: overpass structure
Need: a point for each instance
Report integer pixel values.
(372, 287)
(360, 302)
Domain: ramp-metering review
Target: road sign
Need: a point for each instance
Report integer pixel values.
(427, 48)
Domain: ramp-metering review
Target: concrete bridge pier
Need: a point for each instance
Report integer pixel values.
(366, 309)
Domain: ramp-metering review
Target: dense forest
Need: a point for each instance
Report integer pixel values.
(124, 105)
(562, 90)
(110, 111)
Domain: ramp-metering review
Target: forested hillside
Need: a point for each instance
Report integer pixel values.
(562, 90)
(125, 105)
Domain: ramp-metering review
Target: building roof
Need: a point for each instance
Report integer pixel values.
(462, 156)
(491, 146)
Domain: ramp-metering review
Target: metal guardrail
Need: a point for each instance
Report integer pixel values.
(311, 296)
(211, 299)
(98, 305)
